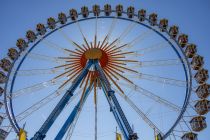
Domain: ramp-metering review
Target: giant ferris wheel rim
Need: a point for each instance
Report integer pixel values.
(185, 65)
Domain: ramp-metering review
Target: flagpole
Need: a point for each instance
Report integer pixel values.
(116, 133)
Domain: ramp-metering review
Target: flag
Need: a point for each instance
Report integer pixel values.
(158, 137)
(22, 135)
(118, 136)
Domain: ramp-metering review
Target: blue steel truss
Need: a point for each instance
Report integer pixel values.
(116, 115)
(115, 106)
(73, 115)
(111, 98)
(40, 135)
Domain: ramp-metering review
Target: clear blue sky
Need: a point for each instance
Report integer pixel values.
(192, 16)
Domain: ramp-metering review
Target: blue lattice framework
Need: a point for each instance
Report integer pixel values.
(113, 102)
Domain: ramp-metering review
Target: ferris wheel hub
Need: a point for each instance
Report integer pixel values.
(93, 53)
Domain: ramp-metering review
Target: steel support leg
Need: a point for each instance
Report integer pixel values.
(116, 115)
(73, 114)
(132, 135)
(40, 135)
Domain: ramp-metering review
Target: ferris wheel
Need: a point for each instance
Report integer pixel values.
(105, 73)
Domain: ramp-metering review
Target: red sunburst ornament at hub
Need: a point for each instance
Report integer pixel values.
(111, 57)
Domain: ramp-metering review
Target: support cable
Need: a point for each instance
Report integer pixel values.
(37, 56)
(96, 120)
(34, 88)
(152, 96)
(32, 72)
(140, 113)
(153, 63)
(159, 79)
(55, 46)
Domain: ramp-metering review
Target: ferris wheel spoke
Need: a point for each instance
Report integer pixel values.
(154, 63)
(140, 113)
(72, 127)
(74, 52)
(21, 116)
(103, 42)
(63, 74)
(139, 38)
(33, 72)
(84, 38)
(34, 88)
(124, 68)
(122, 35)
(65, 36)
(181, 131)
(70, 58)
(186, 124)
(69, 64)
(121, 76)
(55, 46)
(152, 96)
(124, 60)
(96, 32)
(158, 79)
(66, 51)
(116, 49)
(43, 102)
(37, 56)
(152, 48)
(65, 83)
(111, 45)
(76, 73)
(126, 32)
(175, 136)
(122, 54)
(108, 71)
(107, 37)
(111, 29)
(109, 77)
(95, 43)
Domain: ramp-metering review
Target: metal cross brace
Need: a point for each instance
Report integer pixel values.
(73, 115)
